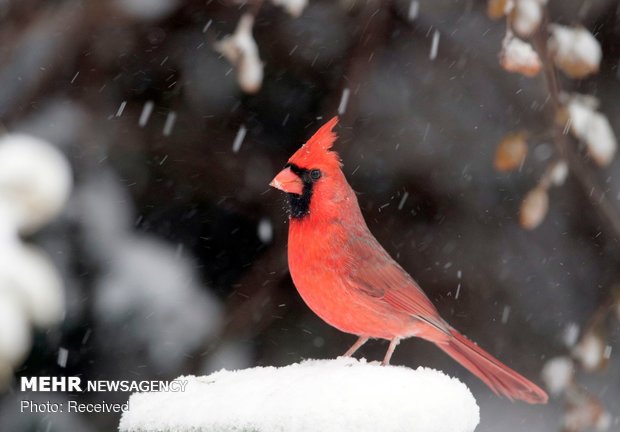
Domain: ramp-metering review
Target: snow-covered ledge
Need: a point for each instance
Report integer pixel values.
(316, 395)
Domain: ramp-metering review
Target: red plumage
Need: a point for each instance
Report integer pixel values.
(346, 277)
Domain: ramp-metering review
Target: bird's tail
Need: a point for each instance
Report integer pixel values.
(499, 377)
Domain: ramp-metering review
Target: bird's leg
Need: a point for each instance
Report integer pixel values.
(388, 355)
(360, 341)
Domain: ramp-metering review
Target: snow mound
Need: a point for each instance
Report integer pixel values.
(316, 395)
(35, 180)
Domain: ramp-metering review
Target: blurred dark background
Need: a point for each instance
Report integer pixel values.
(172, 247)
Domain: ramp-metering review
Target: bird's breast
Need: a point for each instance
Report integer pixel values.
(320, 263)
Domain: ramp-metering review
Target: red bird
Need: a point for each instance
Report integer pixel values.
(346, 277)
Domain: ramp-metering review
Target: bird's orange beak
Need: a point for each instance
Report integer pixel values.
(287, 181)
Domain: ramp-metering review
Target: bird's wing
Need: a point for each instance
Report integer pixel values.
(377, 275)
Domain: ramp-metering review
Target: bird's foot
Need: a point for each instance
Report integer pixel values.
(358, 343)
(388, 355)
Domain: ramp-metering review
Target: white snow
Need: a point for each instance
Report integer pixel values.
(575, 50)
(147, 109)
(434, 45)
(414, 10)
(239, 139)
(8, 225)
(35, 180)
(344, 101)
(241, 50)
(519, 56)
(121, 108)
(557, 173)
(607, 352)
(558, 373)
(28, 272)
(265, 230)
(590, 351)
(171, 118)
(571, 334)
(316, 395)
(526, 17)
(63, 356)
(15, 334)
(604, 421)
(403, 200)
(593, 129)
(505, 314)
(293, 7)
(31, 293)
(14, 330)
(147, 10)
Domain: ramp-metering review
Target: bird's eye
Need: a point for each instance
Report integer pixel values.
(315, 174)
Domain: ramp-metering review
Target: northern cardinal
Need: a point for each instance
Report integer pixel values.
(346, 277)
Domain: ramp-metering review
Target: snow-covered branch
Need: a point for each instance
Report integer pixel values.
(35, 182)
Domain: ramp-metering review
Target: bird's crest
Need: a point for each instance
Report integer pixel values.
(316, 151)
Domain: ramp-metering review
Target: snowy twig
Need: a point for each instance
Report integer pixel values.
(564, 145)
(35, 182)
